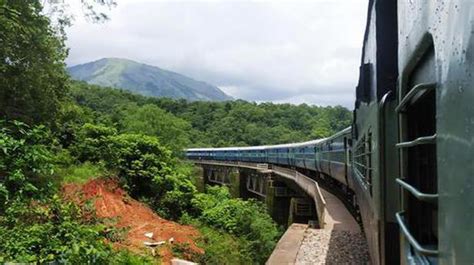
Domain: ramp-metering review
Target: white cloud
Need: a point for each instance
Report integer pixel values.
(283, 51)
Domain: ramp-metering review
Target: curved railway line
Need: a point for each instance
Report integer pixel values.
(405, 166)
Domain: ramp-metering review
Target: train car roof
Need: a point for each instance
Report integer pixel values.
(266, 147)
(296, 144)
(256, 148)
(230, 148)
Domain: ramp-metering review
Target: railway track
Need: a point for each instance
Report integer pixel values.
(341, 241)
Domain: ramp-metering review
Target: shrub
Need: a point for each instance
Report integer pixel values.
(219, 247)
(25, 158)
(69, 122)
(247, 219)
(141, 162)
(36, 225)
(51, 230)
(92, 142)
(224, 248)
(147, 170)
(177, 200)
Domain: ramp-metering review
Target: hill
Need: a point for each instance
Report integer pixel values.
(145, 79)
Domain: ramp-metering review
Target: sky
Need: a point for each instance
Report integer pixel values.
(281, 51)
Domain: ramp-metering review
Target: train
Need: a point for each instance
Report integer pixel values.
(329, 155)
(408, 158)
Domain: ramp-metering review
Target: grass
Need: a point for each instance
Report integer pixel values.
(81, 173)
(223, 248)
(125, 257)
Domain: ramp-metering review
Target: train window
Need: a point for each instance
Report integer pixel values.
(418, 161)
(363, 161)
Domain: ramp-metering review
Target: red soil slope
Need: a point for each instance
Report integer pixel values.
(112, 202)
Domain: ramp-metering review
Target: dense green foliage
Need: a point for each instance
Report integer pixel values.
(145, 167)
(92, 142)
(143, 119)
(220, 247)
(24, 162)
(248, 220)
(36, 225)
(51, 230)
(211, 123)
(33, 78)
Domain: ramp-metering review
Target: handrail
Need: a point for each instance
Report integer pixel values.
(320, 194)
(428, 197)
(412, 93)
(411, 239)
(363, 154)
(418, 141)
(363, 166)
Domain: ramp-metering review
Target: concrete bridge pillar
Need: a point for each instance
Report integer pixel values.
(302, 210)
(221, 175)
(200, 177)
(278, 201)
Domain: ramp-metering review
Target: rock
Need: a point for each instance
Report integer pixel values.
(332, 247)
(182, 262)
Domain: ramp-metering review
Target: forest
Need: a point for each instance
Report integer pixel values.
(55, 131)
(206, 124)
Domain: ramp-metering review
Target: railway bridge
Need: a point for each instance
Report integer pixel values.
(289, 195)
(293, 199)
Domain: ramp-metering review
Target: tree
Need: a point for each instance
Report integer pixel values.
(33, 78)
(69, 122)
(151, 120)
(91, 142)
(236, 123)
(61, 12)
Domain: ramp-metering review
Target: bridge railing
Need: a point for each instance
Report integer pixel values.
(311, 188)
(308, 185)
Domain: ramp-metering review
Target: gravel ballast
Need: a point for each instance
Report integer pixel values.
(321, 246)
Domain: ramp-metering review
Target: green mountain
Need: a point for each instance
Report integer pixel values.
(145, 80)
